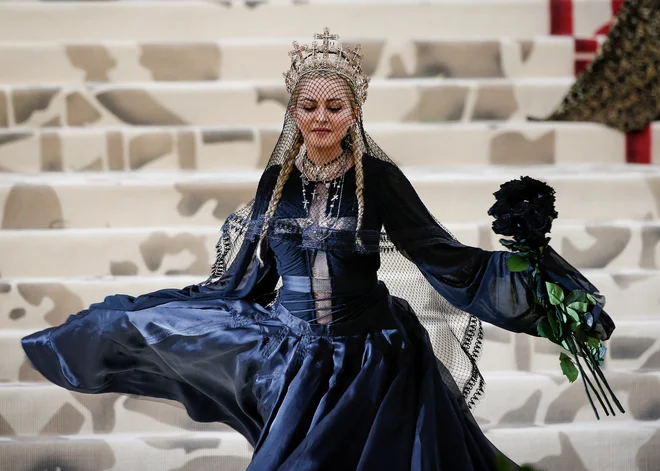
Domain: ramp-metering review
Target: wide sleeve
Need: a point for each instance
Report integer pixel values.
(252, 273)
(473, 280)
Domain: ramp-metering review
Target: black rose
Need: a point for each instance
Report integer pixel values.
(503, 225)
(524, 209)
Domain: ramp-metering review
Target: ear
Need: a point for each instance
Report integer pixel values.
(356, 114)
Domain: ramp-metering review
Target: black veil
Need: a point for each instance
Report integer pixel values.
(242, 270)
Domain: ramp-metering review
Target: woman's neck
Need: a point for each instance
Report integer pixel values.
(320, 156)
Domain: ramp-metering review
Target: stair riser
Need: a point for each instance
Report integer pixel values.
(630, 448)
(511, 400)
(225, 451)
(574, 447)
(184, 201)
(32, 304)
(236, 149)
(195, 20)
(39, 63)
(191, 252)
(209, 21)
(241, 104)
(635, 346)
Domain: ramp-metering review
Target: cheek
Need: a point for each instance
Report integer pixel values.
(343, 120)
(303, 120)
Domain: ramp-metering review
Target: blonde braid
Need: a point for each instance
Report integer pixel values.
(359, 179)
(285, 172)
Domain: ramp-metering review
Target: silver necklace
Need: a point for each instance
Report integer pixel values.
(337, 185)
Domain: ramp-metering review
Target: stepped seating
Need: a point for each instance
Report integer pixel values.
(130, 129)
(231, 148)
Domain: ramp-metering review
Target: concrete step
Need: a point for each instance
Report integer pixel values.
(241, 103)
(53, 62)
(209, 20)
(602, 446)
(87, 200)
(191, 251)
(227, 451)
(511, 400)
(33, 303)
(575, 447)
(155, 148)
(635, 346)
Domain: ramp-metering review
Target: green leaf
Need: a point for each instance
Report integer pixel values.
(572, 313)
(581, 308)
(576, 296)
(517, 263)
(508, 243)
(543, 329)
(593, 342)
(581, 337)
(556, 326)
(568, 367)
(591, 299)
(555, 293)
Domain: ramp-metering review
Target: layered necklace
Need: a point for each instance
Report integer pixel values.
(334, 184)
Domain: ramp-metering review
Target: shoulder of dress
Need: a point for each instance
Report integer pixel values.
(375, 164)
(378, 170)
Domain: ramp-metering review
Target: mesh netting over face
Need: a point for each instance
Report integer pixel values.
(323, 142)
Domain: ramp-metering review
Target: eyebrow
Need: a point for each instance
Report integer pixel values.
(315, 100)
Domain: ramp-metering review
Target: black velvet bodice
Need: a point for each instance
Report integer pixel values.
(293, 258)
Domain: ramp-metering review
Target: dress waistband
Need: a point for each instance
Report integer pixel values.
(340, 284)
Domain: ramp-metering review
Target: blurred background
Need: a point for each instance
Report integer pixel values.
(130, 129)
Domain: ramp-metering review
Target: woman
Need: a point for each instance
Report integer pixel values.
(331, 371)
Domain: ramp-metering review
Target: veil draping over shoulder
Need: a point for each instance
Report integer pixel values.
(243, 272)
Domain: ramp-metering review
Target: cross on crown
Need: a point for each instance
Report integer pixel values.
(344, 60)
(326, 37)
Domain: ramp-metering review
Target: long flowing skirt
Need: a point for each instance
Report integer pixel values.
(365, 394)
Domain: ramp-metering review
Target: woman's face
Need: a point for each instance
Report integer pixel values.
(323, 112)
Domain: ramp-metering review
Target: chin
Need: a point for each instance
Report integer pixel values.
(321, 142)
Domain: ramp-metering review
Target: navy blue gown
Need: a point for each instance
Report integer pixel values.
(363, 393)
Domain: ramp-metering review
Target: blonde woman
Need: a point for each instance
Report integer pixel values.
(294, 340)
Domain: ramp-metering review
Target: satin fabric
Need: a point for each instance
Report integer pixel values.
(366, 393)
(363, 394)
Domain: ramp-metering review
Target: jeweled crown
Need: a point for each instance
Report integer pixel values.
(330, 56)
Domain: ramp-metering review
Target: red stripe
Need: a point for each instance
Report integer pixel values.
(586, 45)
(580, 65)
(561, 17)
(638, 146)
(616, 5)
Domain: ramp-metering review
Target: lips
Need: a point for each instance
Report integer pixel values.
(321, 130)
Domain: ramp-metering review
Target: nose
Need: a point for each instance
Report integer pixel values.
(321, 114)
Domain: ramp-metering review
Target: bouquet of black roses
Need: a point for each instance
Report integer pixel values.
(524, 210)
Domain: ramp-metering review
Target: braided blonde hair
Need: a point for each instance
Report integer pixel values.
(285, 172)
(359, 175)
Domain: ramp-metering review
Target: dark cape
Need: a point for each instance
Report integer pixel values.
(364, 393)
